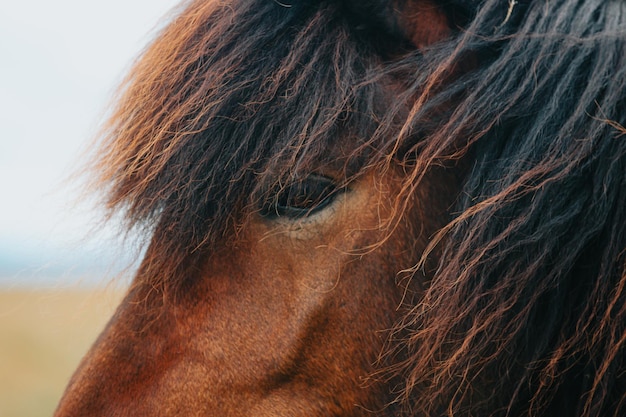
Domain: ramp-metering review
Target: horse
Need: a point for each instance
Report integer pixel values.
(369, 208)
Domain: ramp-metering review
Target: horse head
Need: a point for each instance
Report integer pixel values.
(410, 207)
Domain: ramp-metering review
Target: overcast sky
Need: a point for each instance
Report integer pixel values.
(59, 62)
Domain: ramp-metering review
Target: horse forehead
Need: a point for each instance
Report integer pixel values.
(422, 22)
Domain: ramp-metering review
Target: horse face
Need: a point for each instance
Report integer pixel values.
(277, 288)
(290, 320)
(291, 317)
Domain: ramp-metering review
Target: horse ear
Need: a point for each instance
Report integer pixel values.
(421, 22)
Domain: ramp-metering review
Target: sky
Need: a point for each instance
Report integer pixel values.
(60, 62)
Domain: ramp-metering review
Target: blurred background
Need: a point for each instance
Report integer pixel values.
(61, 271)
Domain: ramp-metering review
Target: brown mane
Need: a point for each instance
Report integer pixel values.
(528, 297)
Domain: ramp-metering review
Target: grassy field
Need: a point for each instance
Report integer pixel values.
(43, 336)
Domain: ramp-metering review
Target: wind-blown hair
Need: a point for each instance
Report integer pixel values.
(526, 312)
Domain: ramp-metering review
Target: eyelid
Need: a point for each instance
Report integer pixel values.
(322, 193)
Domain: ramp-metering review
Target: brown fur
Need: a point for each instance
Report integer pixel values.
(471, 264)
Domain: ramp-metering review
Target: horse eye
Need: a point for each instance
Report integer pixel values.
(301, 198)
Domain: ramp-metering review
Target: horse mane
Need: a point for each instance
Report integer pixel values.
(526, 312)
(205, 125)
